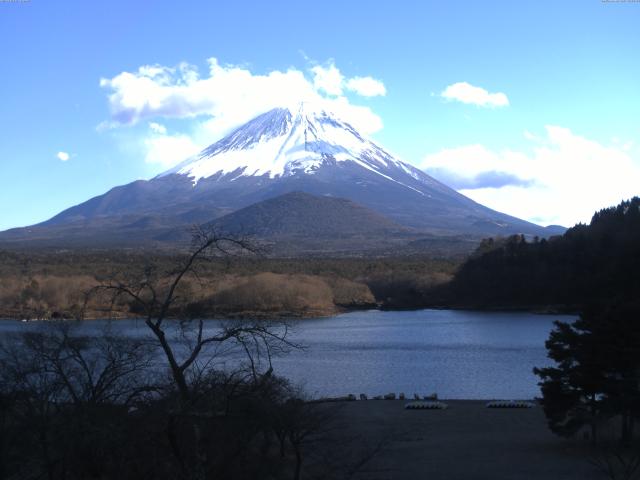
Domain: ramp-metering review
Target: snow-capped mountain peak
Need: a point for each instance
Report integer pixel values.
(303, 149)
(289, 141)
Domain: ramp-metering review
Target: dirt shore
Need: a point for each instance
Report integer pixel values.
(465, 441)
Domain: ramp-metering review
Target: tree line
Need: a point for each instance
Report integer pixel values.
(591, 263)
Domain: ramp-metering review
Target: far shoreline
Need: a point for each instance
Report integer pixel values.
(313, 314)
(307, 315)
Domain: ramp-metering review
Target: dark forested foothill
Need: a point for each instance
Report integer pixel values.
(599, 262)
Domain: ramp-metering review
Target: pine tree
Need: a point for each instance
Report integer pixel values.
(596, 376)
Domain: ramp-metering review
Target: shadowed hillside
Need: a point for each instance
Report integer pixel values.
(303, 215)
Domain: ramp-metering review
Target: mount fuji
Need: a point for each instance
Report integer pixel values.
(303, 149)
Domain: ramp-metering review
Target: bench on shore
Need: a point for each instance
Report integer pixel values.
(426, 405)
(509, 404)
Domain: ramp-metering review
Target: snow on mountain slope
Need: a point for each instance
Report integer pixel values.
(285, 142)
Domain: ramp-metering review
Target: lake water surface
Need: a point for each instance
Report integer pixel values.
(458, 354)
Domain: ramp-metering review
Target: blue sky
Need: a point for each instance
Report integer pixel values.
(528, 107)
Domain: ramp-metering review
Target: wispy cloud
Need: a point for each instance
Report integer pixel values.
(167, 149)
(63, 156)
(563, 177)
(486, 179)
(466, 93)
(157, 128)
(366, 86)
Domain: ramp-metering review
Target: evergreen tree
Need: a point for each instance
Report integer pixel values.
(596, 376)
(572, 391)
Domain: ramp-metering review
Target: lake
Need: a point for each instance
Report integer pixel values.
(456, 354)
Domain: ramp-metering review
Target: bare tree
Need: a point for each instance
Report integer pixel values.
(159, 302)
(105, 369)
(158, 298)
(63, 393)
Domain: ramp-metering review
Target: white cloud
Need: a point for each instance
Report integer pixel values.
(362, 118)
(157, 128)
(230, 95)
(466, 93)
(63, 156)
(564, 179)
(366, 86)
(328, 79)
(167, 150)
(228, 92)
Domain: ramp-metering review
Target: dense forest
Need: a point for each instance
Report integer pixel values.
(595, 263)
